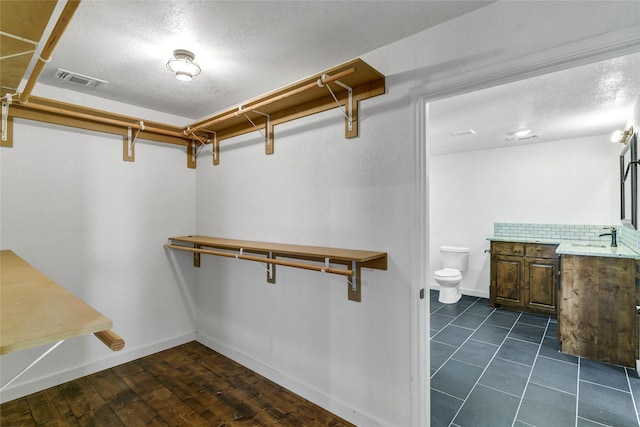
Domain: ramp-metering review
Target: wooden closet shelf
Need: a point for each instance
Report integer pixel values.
(343, 87)
(271, 254)
(36, 311)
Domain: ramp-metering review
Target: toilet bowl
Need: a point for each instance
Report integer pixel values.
(454, 261)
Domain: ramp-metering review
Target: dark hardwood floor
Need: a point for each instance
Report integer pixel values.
(189, 385)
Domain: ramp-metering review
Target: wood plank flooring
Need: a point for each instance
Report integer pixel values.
(189, 385)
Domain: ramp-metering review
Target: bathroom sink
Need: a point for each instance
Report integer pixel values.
(587, 245)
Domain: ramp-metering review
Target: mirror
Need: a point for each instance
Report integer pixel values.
(629, 183)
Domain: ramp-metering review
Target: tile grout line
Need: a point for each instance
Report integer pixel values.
(489, 363)
(535, 360)
(546, 329)
(633, 400)
(457, 347)
(578, 390)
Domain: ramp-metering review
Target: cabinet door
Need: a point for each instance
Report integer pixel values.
(597, 312)
(541, 282)
(507, 280)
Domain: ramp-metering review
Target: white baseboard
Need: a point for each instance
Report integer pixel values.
(315, 396)
(115, 359)
(464, 291)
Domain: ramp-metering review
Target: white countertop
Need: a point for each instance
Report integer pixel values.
(596, 248)
(578, 247)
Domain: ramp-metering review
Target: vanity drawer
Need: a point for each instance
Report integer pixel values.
(507, 248)
(541, 251)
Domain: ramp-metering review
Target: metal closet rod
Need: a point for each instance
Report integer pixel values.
(105, 120)
(324, 269)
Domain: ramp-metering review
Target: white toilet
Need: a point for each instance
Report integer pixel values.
(454, 261)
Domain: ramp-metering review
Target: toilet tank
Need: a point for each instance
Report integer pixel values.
(454, 257)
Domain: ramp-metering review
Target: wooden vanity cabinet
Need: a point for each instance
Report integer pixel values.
(597, 317)
(524, 276)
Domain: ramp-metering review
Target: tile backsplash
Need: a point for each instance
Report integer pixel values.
(626, 235)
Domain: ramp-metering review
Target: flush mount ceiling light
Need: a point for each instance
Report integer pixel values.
(182, 65)
(521, 133)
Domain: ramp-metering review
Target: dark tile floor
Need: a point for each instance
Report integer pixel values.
(502, 368)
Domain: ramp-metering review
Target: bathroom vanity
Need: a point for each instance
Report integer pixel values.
(597, 316)
(574, 272)
(524, 276)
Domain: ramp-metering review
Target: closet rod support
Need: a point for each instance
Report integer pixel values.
(349, 114)
(354, 288)
(271, 270)
(267, 125)
(349, 104)
(5, 117)
(130, 155)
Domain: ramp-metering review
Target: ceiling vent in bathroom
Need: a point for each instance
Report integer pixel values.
(513, 138)
(464, 132)
(79, 79)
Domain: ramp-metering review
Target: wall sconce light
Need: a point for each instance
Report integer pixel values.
(182, 65)
(621, 136)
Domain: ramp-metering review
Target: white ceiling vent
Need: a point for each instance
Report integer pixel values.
(79, 79)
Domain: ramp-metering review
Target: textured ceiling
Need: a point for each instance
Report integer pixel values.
(245, 48)
(593, 99)
(248, 48)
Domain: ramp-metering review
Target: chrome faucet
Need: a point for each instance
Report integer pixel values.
(614, 239)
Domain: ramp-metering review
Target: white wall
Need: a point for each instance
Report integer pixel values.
(96, 225)
(318, 189)
(324, 190)
(573, 181)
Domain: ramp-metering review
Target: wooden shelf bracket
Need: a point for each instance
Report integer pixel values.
(268, 127)
(129, 143)
(194, 149)
(6, 101)
(349, 104)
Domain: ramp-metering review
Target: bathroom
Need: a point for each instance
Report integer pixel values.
(542, 180)
(501, 367)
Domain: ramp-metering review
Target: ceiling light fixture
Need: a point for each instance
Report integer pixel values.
(182, 65)
(616, 136)
(522, 132)
(622, 136)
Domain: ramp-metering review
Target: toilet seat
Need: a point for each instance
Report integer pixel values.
(448, 274)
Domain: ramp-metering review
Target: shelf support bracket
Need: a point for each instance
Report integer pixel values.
(193, 149)
(351, 113)
(271, 270)
(129, 152)
(192, 154)
(268, 129)
(19, 374)
(196, 257)
(215, 150)
(354, 287)
(6, 123)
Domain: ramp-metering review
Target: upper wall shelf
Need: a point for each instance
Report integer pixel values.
(342, 86)
(271, 254)
(339, 87)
